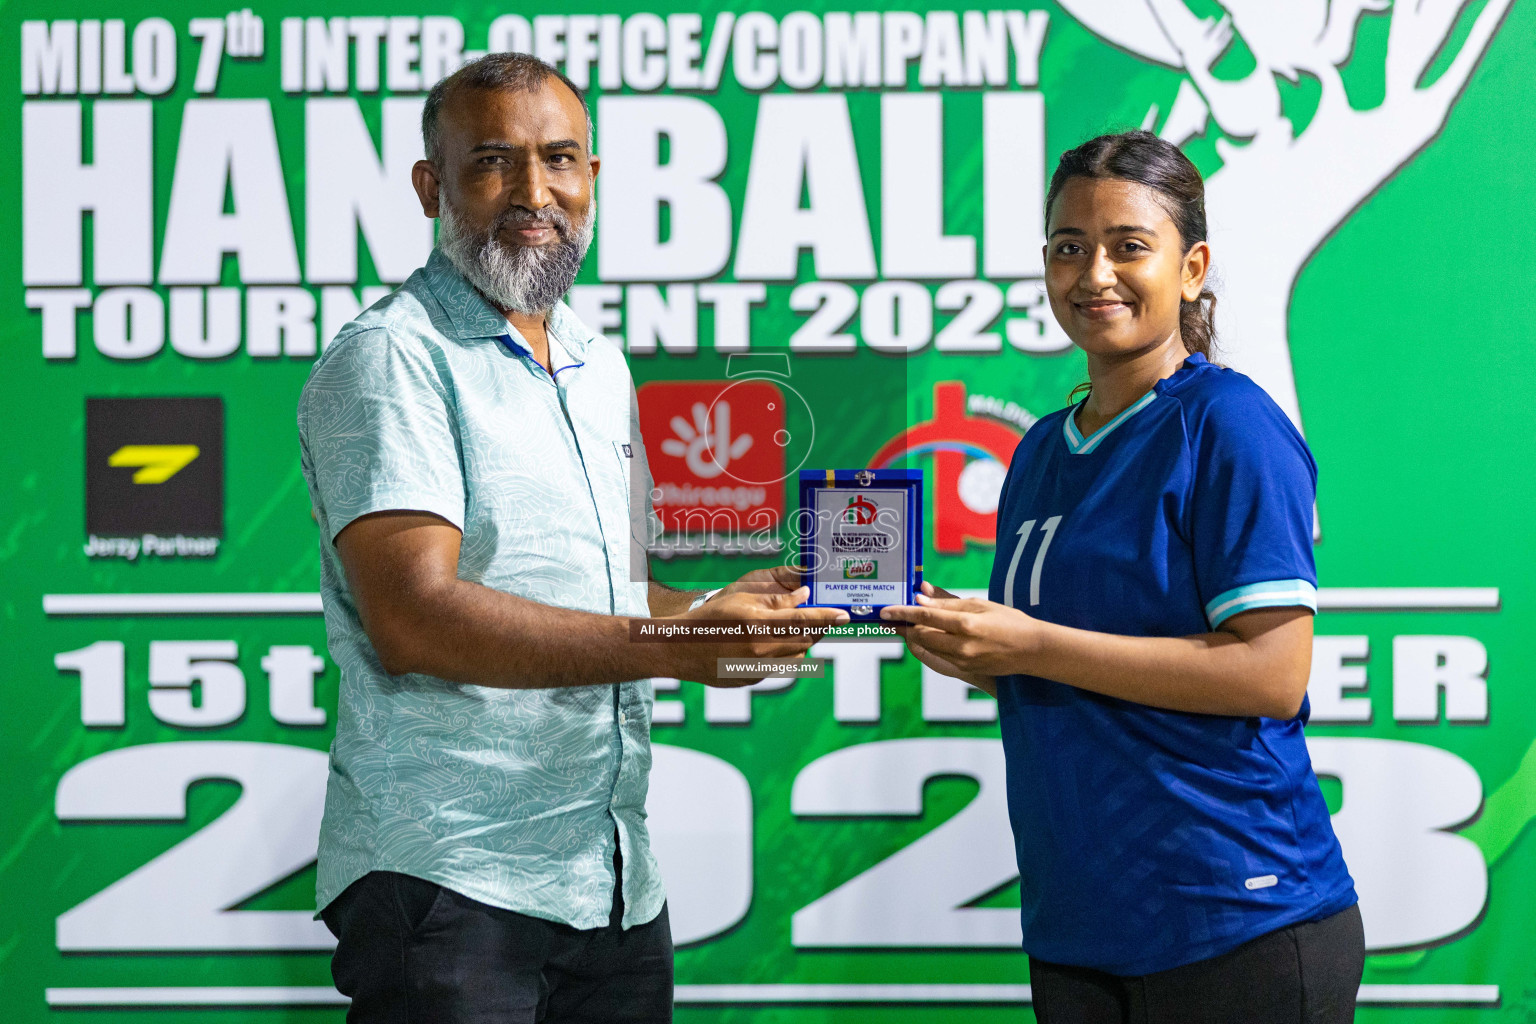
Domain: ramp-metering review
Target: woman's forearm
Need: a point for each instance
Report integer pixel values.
(986, 684)
(1221, 673)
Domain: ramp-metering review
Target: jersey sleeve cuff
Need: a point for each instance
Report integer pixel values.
(1273, 594)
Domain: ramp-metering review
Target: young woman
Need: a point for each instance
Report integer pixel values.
(1148, 637)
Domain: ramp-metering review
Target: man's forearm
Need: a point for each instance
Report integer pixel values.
(665, 601)
(468, 633)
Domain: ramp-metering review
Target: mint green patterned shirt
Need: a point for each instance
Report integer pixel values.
(430, 401)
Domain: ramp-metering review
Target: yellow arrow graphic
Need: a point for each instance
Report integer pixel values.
(160, 462)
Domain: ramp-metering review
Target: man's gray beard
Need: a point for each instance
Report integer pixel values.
(523, 278)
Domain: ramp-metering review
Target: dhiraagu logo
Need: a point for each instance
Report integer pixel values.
(859, 568)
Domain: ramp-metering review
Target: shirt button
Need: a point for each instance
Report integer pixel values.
(623, 718)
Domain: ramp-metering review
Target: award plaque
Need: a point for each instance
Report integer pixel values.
(861, 538)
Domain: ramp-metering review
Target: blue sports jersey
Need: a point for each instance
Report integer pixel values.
(1148, 839)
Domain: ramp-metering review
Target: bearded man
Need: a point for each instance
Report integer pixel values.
(473, 461)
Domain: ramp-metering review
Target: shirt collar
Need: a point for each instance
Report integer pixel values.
(559, 358)
(471, 316)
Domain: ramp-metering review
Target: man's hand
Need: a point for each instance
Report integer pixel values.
(771, 596)
(666, 601)
(779, 579)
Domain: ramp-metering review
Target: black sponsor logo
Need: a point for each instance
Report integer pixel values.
(154, 477)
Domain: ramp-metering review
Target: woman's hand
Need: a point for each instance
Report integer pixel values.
(967, 638)
(978, 637)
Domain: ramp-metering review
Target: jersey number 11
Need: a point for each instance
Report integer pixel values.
(1048, 529)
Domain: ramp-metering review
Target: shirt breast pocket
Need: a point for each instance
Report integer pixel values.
(624, 454)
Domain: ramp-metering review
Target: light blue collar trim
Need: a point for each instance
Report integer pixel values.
(1079, 445)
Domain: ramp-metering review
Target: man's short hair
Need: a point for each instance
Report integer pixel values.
(514, 72)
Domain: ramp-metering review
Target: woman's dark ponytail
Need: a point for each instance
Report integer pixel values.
(1197, 323)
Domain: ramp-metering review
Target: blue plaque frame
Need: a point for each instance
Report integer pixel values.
(809, 524)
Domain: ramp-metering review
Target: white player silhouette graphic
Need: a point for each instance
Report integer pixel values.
(1278, 197)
